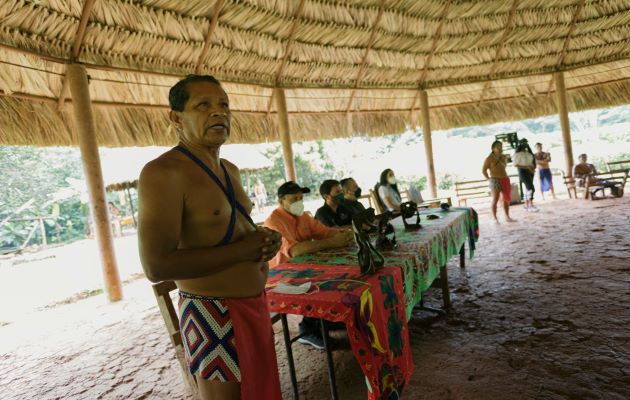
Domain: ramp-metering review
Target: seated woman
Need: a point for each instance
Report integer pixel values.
(388, 190)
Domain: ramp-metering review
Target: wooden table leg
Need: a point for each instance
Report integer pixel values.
(329, 359)
(287, 344)
(446, 295)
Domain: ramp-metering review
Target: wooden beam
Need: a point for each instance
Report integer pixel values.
(206, 42)
(84, 121)
(427, 62)
(565, 45)
(287, 51)
(564, 122)
(104, 104)
(428, 143)
(76, 47)
(285, 135)
(506, 31)
(363, 63)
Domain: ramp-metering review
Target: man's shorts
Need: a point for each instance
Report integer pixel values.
(230, 340)
(501, 185)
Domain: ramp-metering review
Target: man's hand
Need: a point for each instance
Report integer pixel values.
(261, 244)
(342, 239)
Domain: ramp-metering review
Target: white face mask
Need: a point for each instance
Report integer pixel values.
(296, 208)
(391, 180)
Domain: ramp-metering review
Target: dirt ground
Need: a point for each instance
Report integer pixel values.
(541, 312)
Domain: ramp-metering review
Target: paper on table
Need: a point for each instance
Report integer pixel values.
(287, 288)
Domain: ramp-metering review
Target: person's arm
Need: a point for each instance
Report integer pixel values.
(161, 205)
(484, 169)
(338, 239)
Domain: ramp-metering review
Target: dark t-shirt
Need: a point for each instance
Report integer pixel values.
(354, 207)
(328, 217)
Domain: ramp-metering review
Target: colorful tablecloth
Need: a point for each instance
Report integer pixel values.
(371, 306)
(420, 253)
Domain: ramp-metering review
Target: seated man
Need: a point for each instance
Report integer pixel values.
(302, 234)
(333, 213)
(584, 176)
(351, 194)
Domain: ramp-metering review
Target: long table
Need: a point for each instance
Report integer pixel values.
(421, 253)
(370, 305)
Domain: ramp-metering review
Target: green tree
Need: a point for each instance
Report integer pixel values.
(30, 176)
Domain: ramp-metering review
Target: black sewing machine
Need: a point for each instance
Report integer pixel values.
(408, 210)
(364, 224)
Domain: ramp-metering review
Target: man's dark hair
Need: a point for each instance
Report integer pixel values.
(344, 182)
(495, 143)
(178, 95)
(326, 186)
(538, 144)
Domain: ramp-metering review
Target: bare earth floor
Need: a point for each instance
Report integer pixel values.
(541, 312)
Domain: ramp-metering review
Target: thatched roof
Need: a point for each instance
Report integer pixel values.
(348, 67)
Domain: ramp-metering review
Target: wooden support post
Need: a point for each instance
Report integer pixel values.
(428, 143)
(84, 123)
(563, 111)
(285, 136)
(42, 229)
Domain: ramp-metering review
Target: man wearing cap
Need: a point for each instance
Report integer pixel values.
(302, 234)
(334, 212)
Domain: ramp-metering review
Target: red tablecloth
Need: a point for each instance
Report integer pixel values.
(371, 306)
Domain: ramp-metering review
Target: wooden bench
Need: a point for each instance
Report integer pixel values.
(477, 189)
(618, 178)
(467, 190)
(622, 165)
(162, 291)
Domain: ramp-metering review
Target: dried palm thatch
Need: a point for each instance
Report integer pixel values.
(350, 67)
(120, 186)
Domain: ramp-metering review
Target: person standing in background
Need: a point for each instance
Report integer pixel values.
(544, 172)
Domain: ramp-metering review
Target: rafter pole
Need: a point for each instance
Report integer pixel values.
(363, 63)
(76, 48)
(428, 142)
(206, 42)
(567, 39)
(84, 123)
(563, 112)
(285, 135)
(427, 62)
(287, 51)
(500, 48)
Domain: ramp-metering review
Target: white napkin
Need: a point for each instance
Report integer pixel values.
(287, 288)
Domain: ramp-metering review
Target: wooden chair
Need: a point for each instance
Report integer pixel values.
(162, 291)
(571, 185)
(375, 203)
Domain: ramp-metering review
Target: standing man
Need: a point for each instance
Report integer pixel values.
(543, 159)
(333, 213)
(352, 193)
(195, 229)
(498, 180)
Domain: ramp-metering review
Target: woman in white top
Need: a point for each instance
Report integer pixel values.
(388, 190)
(524, 160)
